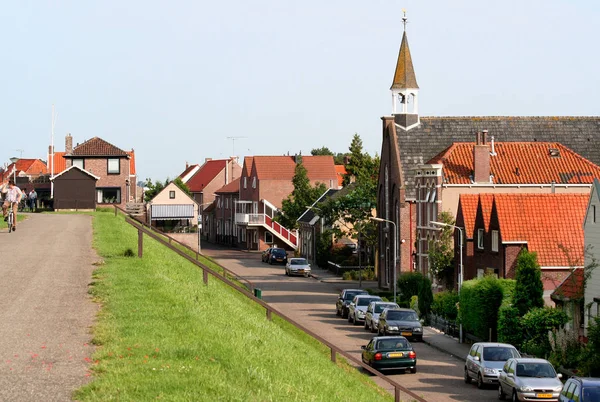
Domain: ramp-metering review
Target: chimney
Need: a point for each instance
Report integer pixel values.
(207, 160)
(68, 144)
(481, 159)
(187, 165)
(298, 159)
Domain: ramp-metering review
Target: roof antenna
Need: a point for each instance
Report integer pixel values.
(404, 19)
(233, 143)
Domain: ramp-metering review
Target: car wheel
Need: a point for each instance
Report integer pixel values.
(287, 273)
(515, 398)
(501, 394)
(366, 325)
(344, 314)
(338, 312)
(480, 384)
(413, 370)
(349, 318)
(306, 275)
(467, 378)
(372, 327)
(354, 320)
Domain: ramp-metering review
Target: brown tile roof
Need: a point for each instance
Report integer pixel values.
(571, 288)
(97, 147)
(207, 173)
(341, 171)
(547, 222)
(318, 168)
(247, 168)
(519, 163)
(404, 76)
(233, 187)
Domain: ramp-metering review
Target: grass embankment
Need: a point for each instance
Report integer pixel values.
(163, 334)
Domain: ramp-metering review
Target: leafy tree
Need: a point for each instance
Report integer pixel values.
(338, 158)
(441, 252)
(304, 194)
(153, 188)
(179, 183)
(425, 298)
(529, 290)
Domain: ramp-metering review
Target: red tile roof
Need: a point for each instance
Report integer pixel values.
(97, 147)
(318, 168)
(233, 187)
(571, 288)
(206, 174)
(468, 204)
(187, 171)
(546, 222)
(486, 201)
(131, 162)
(247, 168)
(519, 163)
(60, 163)
(341, 171)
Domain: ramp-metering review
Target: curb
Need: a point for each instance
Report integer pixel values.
(440, 349)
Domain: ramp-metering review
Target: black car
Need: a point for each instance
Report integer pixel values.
(277, 256)
(390, 352)
(344, 300)
(402, 321)
(266, 254)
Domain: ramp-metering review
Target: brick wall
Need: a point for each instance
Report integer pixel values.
(99, 167)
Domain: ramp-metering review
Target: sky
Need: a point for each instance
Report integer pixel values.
(182, 81)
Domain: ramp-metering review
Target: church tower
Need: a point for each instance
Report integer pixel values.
(405, 91)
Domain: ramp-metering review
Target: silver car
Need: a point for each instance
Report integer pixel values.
(358, 308)
(485, 361)
(297, 266)
(373, 310)
(525, 379)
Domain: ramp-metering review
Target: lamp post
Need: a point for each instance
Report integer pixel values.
(395, 247)
(460, 268)
(14, 160)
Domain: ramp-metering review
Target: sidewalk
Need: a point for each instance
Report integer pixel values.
(445, 343)
(326, 276)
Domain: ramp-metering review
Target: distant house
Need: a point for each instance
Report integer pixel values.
(75, 189)
(568, 296)
(591, 228)
(224, 214)
(173, 210)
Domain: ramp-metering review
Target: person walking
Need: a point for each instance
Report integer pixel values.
(12, 200)
(32, 200)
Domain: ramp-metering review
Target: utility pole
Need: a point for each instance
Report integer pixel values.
(51, 157)
(21, 152)
(233, 143)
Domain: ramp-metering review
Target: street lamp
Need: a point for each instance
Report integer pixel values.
(460, 268)
(14, 160)
(395, 247)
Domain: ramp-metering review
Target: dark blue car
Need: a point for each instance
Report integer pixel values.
(580, 389)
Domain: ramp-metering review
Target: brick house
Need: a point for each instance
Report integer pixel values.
(409, 140)
(172, 210)
(224, 214)
(549, 224)
(265, 182)
(114, 168)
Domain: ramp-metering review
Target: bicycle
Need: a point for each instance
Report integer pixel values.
(11, 217)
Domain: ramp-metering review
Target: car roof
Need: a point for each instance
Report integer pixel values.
(298, 258)
(367, 295)
(529, 360)
(486, 344)
(379, 338)
(587, 380)
(382, 302)
(354, 290)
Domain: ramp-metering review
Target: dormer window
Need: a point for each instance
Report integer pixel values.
(254, 182)
(480, 239)
(245, 182)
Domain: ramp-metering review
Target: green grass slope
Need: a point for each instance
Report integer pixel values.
(164, 335)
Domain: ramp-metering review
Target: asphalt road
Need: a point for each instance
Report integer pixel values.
(312, 303)
(45, 310)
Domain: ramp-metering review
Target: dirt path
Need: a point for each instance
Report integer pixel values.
(45, 310)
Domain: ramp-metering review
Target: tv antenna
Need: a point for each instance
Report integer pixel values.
(233, 143)
(21, 151)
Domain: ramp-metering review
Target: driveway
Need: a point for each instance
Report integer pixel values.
(312, 303)
(45, 310)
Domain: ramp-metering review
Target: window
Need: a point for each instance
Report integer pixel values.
(495, 240)
(480, 239)
(593, 213)
(113, 166)
(245, 182)
(226, 203)
(268, 238)
(172, 195)
(254, 182)
(108, 195)
(79, 163)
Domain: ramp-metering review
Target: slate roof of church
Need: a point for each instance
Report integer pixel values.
(434, 134)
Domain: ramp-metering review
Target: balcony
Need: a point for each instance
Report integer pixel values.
(267, 222)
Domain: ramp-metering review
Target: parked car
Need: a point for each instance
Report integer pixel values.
(485, 361)
(525, 379)
(358, 307)
(400, 321)
(581, 390)
(277, 255)
(297, 266)
(390, 352)
(345, 298)
(264, 257)
(373, 310)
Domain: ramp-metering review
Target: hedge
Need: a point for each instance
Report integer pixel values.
(480, 300)
(444, 304)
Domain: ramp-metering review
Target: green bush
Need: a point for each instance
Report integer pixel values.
(444, 304)
(509, 325)
(414, 304)
(408, 286)
(480, 300)
(368, 274)
(529, 289)
(537, 323)
(591, 365)
(567, 351)
(425, 299)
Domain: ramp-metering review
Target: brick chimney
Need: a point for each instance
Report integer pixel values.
(68, 144)
(481, 159)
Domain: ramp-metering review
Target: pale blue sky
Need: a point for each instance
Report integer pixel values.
(174, 79)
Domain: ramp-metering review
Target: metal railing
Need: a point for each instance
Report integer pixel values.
(269, 310)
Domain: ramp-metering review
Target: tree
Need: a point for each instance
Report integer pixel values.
(304, 194)
(529, 290)
(179, 183)
(441, 251)
(338, 158)
(153, 189)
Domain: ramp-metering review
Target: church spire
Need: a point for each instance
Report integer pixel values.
(404, 87)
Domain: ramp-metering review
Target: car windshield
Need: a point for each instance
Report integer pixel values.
(277, 252)
(387, 344)
(380, 307)
(402, 315)
(299, 261)
(591, 394)
(364, 301)
(498, 353)
(350, 295)
(540, 370)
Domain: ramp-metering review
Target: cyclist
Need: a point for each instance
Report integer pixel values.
(12, 199)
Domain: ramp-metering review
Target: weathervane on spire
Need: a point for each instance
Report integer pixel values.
(404, 19)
